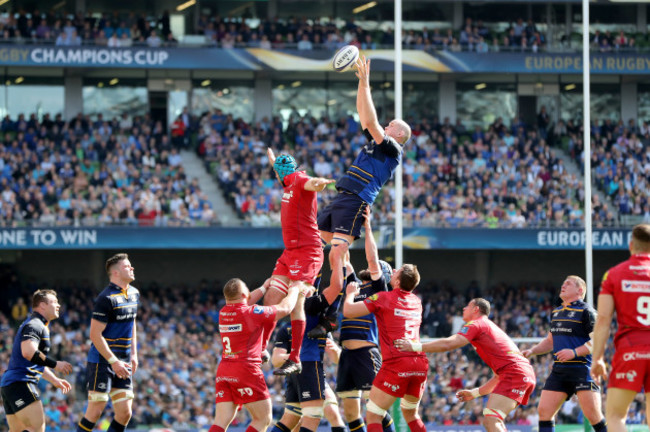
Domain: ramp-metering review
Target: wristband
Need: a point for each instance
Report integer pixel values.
(41, 359)
(112, 359)
(475, 393)
(575, 353)
(417, 346)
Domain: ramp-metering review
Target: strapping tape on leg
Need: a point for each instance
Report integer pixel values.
(293, 408)
(495, 413)
(280, 286)
(404, 404)
(350, 394)
(97, 397)
(313, 412)
(375, 409)
(128, 395)
(331, 401)
(337, 241)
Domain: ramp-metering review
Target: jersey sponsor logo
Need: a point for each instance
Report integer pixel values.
(406, 313)
(19, 403)
(630, 375)
(294, 272)
(219, 394)
(630, 356)
(287, 196)
(636, 286)
(393, 387)
(411, 374)
(230, 328)
(526, 379)
(306, 394)
(464, 330)
(259, 310)
(101, 386)
(119, 300)
(373, 297)
(519, 392)
(227, 379)
(561, 330)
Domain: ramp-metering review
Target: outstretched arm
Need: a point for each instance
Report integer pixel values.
(365, 106)
(440, 345)
(317, 184)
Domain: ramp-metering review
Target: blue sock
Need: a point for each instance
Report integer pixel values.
(357, 425)
(85, 425)
(546, 426)
(387, 423)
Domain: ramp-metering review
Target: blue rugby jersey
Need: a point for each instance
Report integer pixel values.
(363, 328)
(570, 327)
(35, 328)
(118, 309)
(312, 349)
(372, 168)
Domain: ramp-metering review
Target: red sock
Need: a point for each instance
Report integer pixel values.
(297, 333)
(267, 332)
(215, 428)
(251, 429)
(417, 426)
(374, 427)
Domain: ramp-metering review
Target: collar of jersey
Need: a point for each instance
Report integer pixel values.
(118, 288)
(644, 256)
(40, 317)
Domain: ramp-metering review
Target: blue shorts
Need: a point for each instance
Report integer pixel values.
(308, 385)
(101, 378)
(570, 381)
(343, 215)
(357, 369)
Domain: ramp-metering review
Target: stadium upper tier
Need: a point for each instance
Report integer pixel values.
(126, 30)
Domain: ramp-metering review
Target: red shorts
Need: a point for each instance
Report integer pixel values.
(631, 369)
(301, 264)
(516, 384)
(240, 383)
(403, 376)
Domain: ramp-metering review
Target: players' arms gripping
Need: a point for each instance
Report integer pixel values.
(365, 106)
(120, 368)
(440, 345)
(350, 308)
(601, 335)
(257, 294)
(55, 381)
(372, 256)
(544, 346)
(29, 350)
(287, 304)
(317, 184)
(485, 389)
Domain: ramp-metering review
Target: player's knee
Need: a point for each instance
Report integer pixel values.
(315, 412)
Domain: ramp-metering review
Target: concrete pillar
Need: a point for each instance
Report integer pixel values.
(568, 20)
(447, 96)
(482, 270)
(73, 96)
(629, 101)
(642, 18)
(272, 9)
(263, 97)
(458, 20)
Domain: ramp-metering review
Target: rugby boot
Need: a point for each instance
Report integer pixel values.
(289, 367)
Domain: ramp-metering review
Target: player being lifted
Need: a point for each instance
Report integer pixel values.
(402, 375)
(340, 222)
(360, 359)
(302, 258)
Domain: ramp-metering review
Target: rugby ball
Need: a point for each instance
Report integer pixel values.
(345, 58)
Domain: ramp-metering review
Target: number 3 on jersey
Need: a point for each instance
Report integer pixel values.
(226, 345)
(643, 308)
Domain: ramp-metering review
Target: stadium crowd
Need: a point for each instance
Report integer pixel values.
(177, 332)
(505, 176)
(128, 29)
(99, 172)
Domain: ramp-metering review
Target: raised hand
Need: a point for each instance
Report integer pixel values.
(363, 70)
